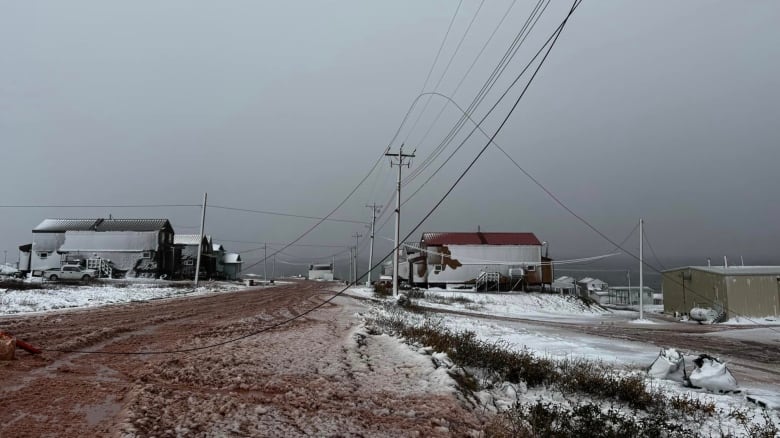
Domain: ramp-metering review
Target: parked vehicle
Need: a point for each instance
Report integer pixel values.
(70, 272)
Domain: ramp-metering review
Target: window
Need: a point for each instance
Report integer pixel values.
(43, 254)
(147, 254)
(188, 263)
(531, 268)
(69, 269)
(436, 269)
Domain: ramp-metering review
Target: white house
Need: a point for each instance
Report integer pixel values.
(594, 288)
(458, 257)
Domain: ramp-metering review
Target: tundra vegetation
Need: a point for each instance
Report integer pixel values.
(574, 397)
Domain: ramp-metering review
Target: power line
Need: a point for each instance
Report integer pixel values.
(649, 245)
(436, 59)
(276, 213)
(481, 94)
(520, 38)
(100, 206)
(280, 243)
(446, 68)
(486, 87)
(553, 38)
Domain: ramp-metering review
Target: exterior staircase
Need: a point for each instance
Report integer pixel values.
(101, 266)
(487, 280)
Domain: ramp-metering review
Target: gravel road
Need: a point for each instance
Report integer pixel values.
(317, 376)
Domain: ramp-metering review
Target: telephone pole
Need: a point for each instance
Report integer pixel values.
(374, 210)
(399, 159)
(200, 242)
(357, 240)
(265, 263)
(351, 264)
(641, 273)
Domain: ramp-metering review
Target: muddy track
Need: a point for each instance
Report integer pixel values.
(299, 379)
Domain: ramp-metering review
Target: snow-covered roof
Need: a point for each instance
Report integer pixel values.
(62, 225)
(734, 270)
(100, 224)
(186, 239)
(217, 247)
(232, 257)
(589, 280)
(480, 238)
(565, 279)
(562, 285)
(132, 224)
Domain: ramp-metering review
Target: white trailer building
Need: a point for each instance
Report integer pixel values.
(460, 258)
(322, 272)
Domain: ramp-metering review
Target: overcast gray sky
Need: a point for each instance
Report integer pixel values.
(665, 110)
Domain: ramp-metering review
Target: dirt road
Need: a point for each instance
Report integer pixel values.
(317, 376)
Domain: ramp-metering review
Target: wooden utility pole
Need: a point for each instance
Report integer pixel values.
(399, 159)
(357, 237)
(374, 210)
(641, 273)
(200, 242)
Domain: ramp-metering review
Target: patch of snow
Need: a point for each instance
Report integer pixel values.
(741, 320)
(641, 321)
(49, 299)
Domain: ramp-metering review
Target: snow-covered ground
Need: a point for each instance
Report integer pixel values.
(624, 358)
(528, 331)
(62, 297)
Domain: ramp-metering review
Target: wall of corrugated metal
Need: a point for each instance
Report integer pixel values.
(703, 289)
(753, 295)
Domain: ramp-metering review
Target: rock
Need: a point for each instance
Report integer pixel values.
(7, 347)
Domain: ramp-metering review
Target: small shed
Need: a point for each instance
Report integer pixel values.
(564, 285)
(231, 265)
(594, 288)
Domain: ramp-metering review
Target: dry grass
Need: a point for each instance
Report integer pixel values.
(617, 404)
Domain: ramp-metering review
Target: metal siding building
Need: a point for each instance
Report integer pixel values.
(752, 291)
(133, 246)
(458, 258)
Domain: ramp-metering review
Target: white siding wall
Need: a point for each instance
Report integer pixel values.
(46, 242)
(477, 258)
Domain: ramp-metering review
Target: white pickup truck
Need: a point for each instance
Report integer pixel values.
(70, 272)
